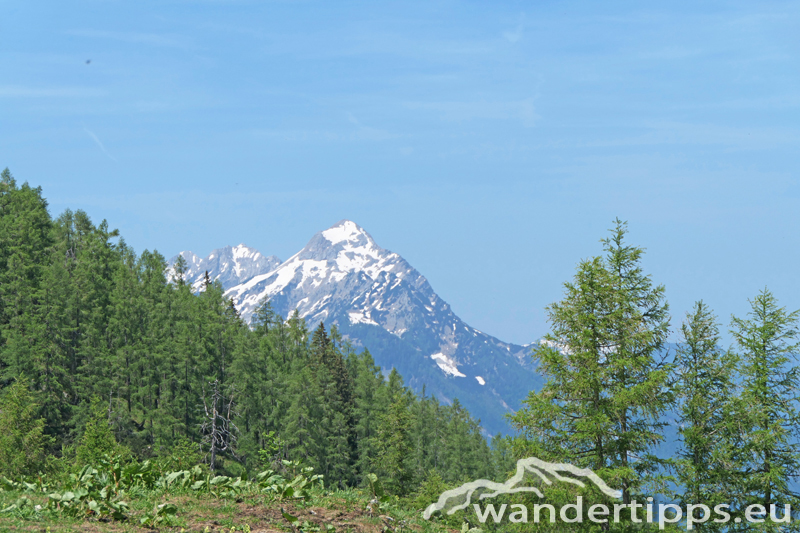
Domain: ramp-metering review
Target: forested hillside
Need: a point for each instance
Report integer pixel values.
(89, 326)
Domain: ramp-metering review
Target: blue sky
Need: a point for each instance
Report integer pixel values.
(489, 143)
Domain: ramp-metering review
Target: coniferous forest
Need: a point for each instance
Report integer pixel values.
(89, 326)
(106, 361)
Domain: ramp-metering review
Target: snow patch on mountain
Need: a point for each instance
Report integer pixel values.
(346, 230)
(447, 364)
(359, 317)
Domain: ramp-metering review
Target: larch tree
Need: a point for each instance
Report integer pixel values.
(394, 439)
(768, 347)
(706, 462)
(607, 379)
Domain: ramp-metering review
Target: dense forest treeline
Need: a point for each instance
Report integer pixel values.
(91, 327)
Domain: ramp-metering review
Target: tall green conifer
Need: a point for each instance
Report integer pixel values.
(706, 464)
(394, 440)
(768, 345)
(607, 383)
(23, 444)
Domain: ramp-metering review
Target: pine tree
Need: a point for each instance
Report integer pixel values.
(466, 454)
(768, 344)
(502, 457)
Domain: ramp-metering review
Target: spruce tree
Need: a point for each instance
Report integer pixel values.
(29, 301)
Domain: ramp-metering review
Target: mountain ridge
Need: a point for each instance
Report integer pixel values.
(230, 265)
(379, 301)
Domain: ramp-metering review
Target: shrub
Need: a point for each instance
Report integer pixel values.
(98, 438)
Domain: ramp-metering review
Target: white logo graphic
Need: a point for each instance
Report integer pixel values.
(459, 498)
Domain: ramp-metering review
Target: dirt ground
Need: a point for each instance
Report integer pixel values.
(211, 516)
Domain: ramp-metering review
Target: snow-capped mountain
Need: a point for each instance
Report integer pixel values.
(379, 301)
(231, 265)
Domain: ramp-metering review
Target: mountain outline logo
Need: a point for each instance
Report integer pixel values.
(450, 501)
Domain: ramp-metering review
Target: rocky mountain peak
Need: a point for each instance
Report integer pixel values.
(378, 300)
(345, 239)
(347, 231)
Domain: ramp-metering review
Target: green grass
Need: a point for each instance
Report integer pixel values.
(343, 510)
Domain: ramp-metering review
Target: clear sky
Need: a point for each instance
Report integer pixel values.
(489, 143)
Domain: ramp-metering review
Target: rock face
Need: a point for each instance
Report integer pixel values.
(379, 301)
